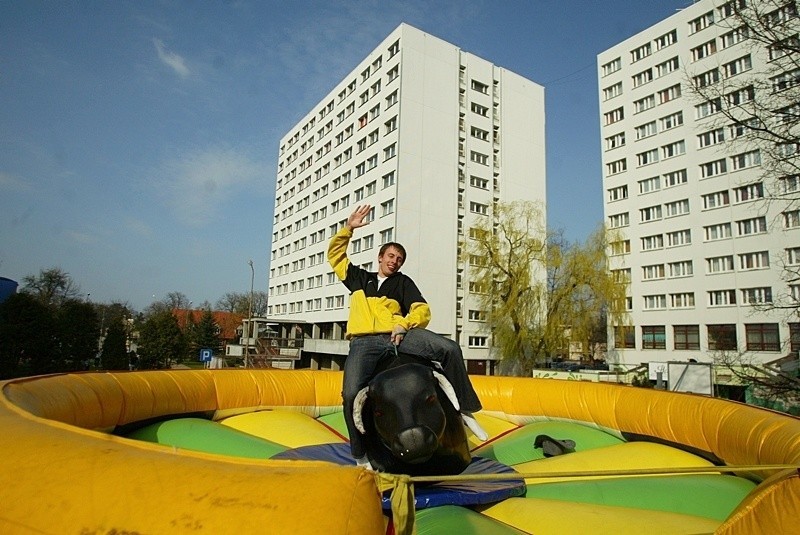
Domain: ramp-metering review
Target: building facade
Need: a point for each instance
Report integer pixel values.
(432, 137)
(705, 229)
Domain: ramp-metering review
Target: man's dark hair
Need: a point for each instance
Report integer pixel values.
(396, 246)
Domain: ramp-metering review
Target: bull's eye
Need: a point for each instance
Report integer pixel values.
(431, 399)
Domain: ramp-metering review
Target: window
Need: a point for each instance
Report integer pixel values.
(721, 231)
(654, 337)
(679, 237)
(756, 225)
(731, 8)
(680, 269)
(717, 167)
(649, 185)
(390, 151)
(719, 264)
(478, 208)
(621, 275)
(646, 130)
(784, 47)
(709, 107)
(647, 157)
(619, 220)
(387, 207)
(476, 132)
(393, 73)
(737, 66)
(712, 137)
(702, 22)
(614, 194)
(650, 243)
(480, 110)
(653, 272)
(386, 235)
(718, 298)
(617, 140)
(610, 117)
(673, 149)
(620, 247)
(356, 249)
(791, 219)
(477, 315)
(667, 39)
(707, 78)
(717, 199)
(643, 77)
(735, 36)
(369, 242)
(671, 65)
(675, 178)
(756, 296)
(741, 96)
(793, 256)
(641, 52)
(371, 187)
(651, 213)
(677, 208)
(478, 182)
(671, 121)
(762, 337)
(789, 184)
(745, 160)
(757, 260)
(477, 157)
(686, 337)
(668, 94)
(704, 50)
(624, 337)
(388, 180)
(722, 337)
(681, 300)
(655, 302)
(644, 104)
(480, 87)
(478, 341)
(372, 161)
(616, 167)
(394, 49)
(612, 91)
(785, 80)
(391, 100)
(612, 66)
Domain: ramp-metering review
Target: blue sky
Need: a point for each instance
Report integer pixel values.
(138, 140)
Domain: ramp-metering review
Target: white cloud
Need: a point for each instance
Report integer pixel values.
(171, 59)
(197, 185)
(13, 183)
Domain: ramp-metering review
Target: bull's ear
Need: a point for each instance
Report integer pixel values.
(358, 407)
(448, 389)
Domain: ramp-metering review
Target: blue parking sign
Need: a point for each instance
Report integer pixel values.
(206, 355)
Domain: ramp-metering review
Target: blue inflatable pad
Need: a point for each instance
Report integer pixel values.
(431, 494)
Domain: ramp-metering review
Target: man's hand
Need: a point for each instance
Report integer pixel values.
(356, 219)
(398, 333)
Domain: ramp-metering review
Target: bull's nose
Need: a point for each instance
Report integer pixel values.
(415, 444)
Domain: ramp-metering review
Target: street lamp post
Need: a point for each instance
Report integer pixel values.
(249, 316)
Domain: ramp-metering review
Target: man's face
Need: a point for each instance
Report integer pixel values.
(390, 262)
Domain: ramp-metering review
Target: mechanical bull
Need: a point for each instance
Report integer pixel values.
(409, 416)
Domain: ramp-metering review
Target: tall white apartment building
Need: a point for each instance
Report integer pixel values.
(432, 137)
(687, 192)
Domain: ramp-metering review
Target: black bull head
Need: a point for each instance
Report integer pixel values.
(411, 424)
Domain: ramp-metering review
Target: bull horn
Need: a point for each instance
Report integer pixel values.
(448, 389)
(358, 406)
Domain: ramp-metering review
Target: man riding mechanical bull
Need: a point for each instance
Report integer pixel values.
(388, 315)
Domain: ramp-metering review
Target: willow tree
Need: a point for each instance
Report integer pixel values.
(539, 293)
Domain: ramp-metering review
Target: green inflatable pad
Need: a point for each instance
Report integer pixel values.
(517, 446)
(459, 520)
(207, 436)
(336, 422)
(707, 495)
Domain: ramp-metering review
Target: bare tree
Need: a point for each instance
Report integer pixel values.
(51, 287)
